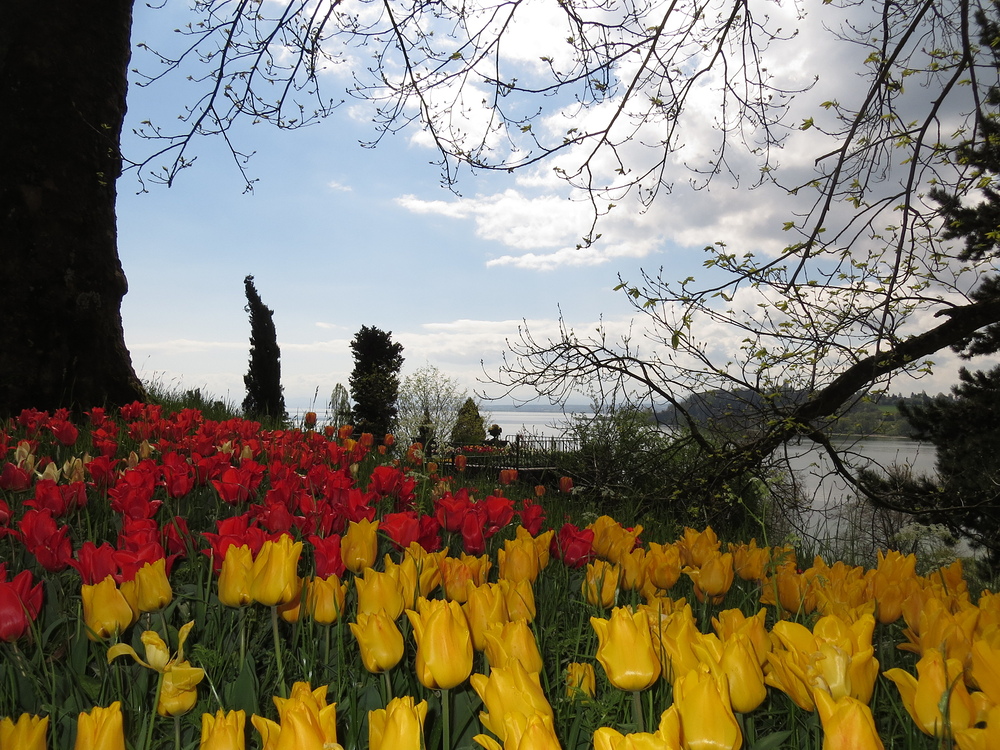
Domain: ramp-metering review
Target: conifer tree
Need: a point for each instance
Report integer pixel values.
(374, 381)
(470, 428)
(265, 396)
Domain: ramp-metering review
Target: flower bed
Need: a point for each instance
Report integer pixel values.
(170, 581)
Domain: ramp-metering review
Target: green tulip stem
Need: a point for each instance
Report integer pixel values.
(177, 733)
(446, 717)
(640, 724)
(386, 687)
(277, 651)
(243, 636)
(151, 716)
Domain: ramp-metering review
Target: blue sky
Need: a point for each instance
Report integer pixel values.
(338, 236)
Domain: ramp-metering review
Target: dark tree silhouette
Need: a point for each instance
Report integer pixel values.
(265, 396)
(374, 382)
(61, 283)
(965, 495)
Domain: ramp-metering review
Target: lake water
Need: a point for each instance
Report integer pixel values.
(829, 510)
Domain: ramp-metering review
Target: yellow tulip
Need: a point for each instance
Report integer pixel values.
(706, 716)
(398, 726)
(223, 731)
(696, 547)
(379, 640)
(625, 649)
(234, 576)
(179, 690)
(414, 578)
(734, 661)
(101, 729)
(750, 561)
(153, 587)
(306, 721)
(158, 656)
(510, 689)
(985, 669)
(27, 733)
(359, 545)
(580, 680)
(732, 622)
(444, 643)
(325, 599)
(513, 640)
(633, 569)
(519, 597)
(663, 565)
(981, 737)
(542, 542)
(600, 583)
(273, 579)
(847, 723)
(106, 612)
(713, 578)
(484, 605)
(611, 539)
(606, 738)
(938, 683)
(457, 572)
(518, 560)
(532, 732)
(674, 635)
(378, 591)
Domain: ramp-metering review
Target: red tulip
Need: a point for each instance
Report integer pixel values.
(20, 602)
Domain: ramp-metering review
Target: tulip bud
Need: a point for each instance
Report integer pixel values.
(101, 729)
(581, 680)
(234, 577)
(27, 733)
(444, 644)
(359, 545)
(625, 649)
(223, 731)
(153, 587)
(379, 640)
(398, 726)
(105, 610)
(273, 579)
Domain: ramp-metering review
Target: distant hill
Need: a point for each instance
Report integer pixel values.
(743, 411)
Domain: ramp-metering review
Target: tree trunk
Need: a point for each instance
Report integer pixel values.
(63, 79)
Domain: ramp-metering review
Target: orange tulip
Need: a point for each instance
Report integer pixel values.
(457, 572)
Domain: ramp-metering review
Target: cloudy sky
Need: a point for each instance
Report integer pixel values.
(338, 236)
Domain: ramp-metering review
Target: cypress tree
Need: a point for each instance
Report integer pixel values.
(265, 396)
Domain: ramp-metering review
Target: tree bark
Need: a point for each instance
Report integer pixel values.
(63, 81)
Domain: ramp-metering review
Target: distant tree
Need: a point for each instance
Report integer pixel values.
(428, 397)
(374, 381)
(965, 494)
(340, 406)
(265, 396)
(470, 426)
